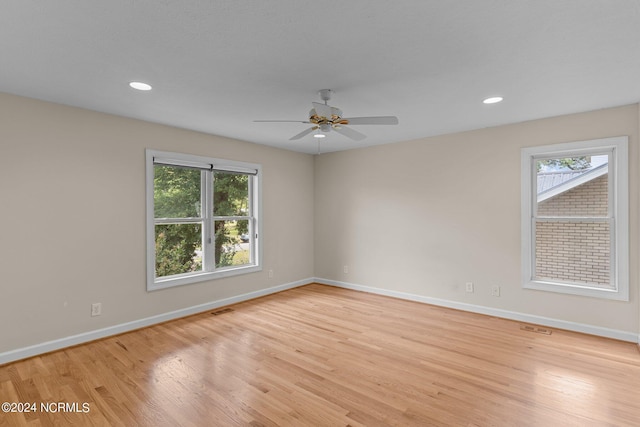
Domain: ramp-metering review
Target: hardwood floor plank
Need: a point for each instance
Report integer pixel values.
(324, 356)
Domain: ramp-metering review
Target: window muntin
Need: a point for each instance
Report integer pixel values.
(575, 218)
(202, 218)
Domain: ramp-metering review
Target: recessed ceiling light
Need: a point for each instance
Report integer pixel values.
(140, 86)
(493, 100)
(319, 135)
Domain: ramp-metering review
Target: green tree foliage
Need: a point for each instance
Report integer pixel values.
(177, 194)
(176, 249)
(570, 163)
(230, 198)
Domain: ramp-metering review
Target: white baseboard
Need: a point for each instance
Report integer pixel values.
(511, 315)
(46, 347)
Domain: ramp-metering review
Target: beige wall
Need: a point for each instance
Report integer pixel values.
(72, 225)
(424, 217)
(420, 217)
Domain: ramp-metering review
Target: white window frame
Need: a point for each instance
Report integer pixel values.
(209, 272)
(617, 147)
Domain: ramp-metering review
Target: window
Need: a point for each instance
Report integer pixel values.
(575, 218)
(202, 218)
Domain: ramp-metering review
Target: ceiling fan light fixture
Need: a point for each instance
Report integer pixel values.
(492, 100)
(325, 127)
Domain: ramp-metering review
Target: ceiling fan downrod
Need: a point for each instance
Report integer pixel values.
(325, 95)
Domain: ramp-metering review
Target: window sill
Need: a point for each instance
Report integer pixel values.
(565, 288)
(172, 281)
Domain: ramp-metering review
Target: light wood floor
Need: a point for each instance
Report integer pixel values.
(324, 356)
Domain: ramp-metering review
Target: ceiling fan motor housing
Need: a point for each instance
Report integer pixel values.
(336, 114)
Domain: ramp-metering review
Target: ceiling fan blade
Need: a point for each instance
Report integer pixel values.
(322, 110)
(378, 120)
(350, 133)
(303, 133)
(281, 121)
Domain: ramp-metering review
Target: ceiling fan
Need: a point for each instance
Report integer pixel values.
(326, 118)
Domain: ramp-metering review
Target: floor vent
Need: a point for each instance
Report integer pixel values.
(222, 311)
(536, 329)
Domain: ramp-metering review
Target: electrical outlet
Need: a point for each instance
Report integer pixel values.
(270, 274)
(469, 286)
(96, 309)
(495, 291)
(346, 269)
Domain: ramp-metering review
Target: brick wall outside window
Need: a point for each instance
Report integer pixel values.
(588, 199)
(572, 251)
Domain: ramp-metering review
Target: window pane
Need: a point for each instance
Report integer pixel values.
(178, 249)
(578, 192)
(176, 192)
(232, 243)
(573, 252)
(230, 194)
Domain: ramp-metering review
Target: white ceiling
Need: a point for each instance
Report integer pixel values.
(218, 65)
